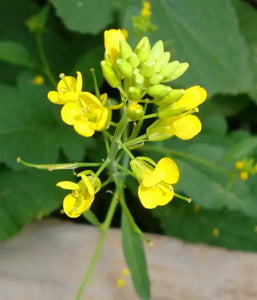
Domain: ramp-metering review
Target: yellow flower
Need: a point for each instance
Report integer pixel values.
(112, 40)
(146, 10)
(184, 127)
(155, 181)
(68, 90)
(82, 196)
(86, 116)
(193, 97)
(38, 80)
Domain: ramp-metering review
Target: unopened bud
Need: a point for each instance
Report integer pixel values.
(139, 79)
(109, 74)
(156, 79)
(180, 71)
(162, 61)
(173, 96)
(125, 49)
(169, 69)
(124, 67)
(157, 50)
(158, 90)
(143, 49)
(135, 111)
(134, 60)
(134, 93)
(148, 69)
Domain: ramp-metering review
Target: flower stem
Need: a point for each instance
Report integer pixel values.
(44, 61)
(104, 228)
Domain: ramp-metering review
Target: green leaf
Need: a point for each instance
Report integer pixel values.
(26, 195)
(31, 127)
(84, 16)
(247, 18)
(135, 258)
(206, 36)
(241, 149)
(221, 228)
(15, 53)
(91, 60)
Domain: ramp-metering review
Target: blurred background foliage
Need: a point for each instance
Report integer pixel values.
(217, 37)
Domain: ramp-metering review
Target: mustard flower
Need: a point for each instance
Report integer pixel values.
(82, 195)
(155, 180)
(86, 116)
(112, 40)
(184, 127)
(193, 97)
(68, 90)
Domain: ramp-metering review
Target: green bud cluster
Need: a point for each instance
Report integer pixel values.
(144, 70)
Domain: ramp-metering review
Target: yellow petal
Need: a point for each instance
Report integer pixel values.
(112, 40)
(53, 96)
(186, 127)
(192, 98)
(69, 207)
(84, 128)
(165, 195)
(67, 84)
(102, 119)
(68, 185)
(151, 179)
(170, 170)
(70, 112)
(88, 184)
(79, 82)
(90, 101)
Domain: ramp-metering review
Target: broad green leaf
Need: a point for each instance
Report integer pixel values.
(241, 149)
(207, 36)
(31, 127)
(247, 17)
(91, 60)
(26, 195)
(222, 228)
(135, 258)
(15, 53)
(84, 16)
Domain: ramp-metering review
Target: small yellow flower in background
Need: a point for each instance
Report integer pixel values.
(38, 80)
(244, 175)
(216, 232)
(155, 181)
(239, 165)
(112, 40)
(82, 196)
(120, 282)
(86, 116)
(146, 10)
(125, 272)
(68, 90)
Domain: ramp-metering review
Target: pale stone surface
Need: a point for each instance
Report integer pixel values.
(48, 259)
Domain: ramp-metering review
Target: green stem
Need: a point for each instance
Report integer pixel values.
(127, 150)
(52, 167)
(91, 218)
(44, 61)
(105, 227)
(103, 166)
(139, 139)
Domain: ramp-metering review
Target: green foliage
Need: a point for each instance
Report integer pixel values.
(84, 16)
(135, 258)
(216, 227)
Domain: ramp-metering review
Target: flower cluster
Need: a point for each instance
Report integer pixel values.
(141, 75)
(82, 110)
(246, 168)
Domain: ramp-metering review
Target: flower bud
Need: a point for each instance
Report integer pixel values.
(124, 67)
(158, 90)
(157, 50)
(125, 49)
(133, 60)
(162, 61)
(168, 111)
(156, 79)
(169, 69)
(134, 93)
(109, 74)
(159, 131)
(179, 71)
(171, 97)
(135, 111)
(143, 49)
(148, 69)
(139, 79)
